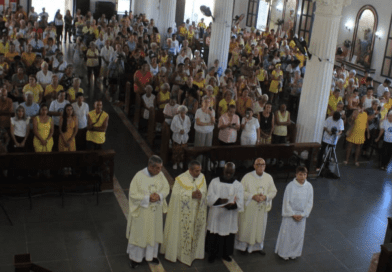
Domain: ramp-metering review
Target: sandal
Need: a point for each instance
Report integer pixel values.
(345, 162)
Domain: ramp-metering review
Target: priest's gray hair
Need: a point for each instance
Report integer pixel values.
(153, 160)
(193, 163)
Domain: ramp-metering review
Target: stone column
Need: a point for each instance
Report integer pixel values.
(220, 33)
(318, 77)
(149, 7)
(167, 16)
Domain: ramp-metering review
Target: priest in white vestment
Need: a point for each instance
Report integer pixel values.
(297, 205)
(259, 191)
(185, 226)
(225, 198)
(147, 203)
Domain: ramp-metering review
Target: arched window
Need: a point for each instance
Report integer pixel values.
(363, 38)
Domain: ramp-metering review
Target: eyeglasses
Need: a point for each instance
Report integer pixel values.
(260, 164)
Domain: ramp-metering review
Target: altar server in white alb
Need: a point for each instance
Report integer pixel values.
(147, 203)
(297, 205)
(259, 191)
(185, 227)
(226, 199)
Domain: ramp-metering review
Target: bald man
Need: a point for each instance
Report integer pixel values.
(225, 198)
(259, 190)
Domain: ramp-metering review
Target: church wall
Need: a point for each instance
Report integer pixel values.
(384, 16)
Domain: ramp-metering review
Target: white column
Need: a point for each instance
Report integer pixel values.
(138, 6)
(167, 16)
(149, 7)
(220, 32)
(317, 82)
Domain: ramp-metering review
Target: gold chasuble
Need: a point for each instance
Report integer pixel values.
(145, 219)
(185, 226)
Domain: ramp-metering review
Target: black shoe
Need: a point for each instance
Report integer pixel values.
(262, 252)
(134, 264)
(227, 258)
(155, 261)
(211, 259)
(243, 252)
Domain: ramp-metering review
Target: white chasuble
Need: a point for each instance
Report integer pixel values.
(252, 222)
(185, 226)
(145, 219)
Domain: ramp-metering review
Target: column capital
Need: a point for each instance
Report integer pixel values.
(331, 7)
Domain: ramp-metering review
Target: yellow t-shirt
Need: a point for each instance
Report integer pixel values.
(10, 56)
(97, 136)
(72, 94)
(4, 48)
(162, 97)
(91, 62)
(333, 102)
(28, 58)
(37, 90)
(261, 75)
(224, 106)
(49, 89)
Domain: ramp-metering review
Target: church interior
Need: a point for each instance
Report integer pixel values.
(350, 226)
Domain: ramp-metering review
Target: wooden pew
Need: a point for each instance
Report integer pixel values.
(22, 263)
(388, 234)
(385, 261)
(56, 161)
(266, 151)
(127, 102)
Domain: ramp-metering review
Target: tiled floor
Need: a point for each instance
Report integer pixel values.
(347, 224)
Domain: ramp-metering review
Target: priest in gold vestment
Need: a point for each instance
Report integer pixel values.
(185, 226)
(147, 203)
(259, 190)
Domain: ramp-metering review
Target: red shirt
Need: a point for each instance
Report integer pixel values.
(143, 79)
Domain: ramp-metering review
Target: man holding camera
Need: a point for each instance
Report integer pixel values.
(333, 128)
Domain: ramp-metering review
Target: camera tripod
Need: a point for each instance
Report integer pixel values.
(330, 153)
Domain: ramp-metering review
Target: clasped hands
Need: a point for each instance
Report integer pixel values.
(154, 197)
(197, 194)
(259, 198)
(297, 217)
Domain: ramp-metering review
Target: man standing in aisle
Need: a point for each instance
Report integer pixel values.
(297, 205)
(147, 203)
(225, 198)
(259, 190)
(185, 225)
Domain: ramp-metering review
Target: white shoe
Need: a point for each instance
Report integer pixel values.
(181, 165)
(175, 166)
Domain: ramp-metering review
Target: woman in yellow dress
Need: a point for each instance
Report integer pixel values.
(43, 128)
(356, 134)
(276, 79)
(68, 125)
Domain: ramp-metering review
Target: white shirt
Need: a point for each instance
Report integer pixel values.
(329, 123)
(106, 53)
(170, 111)
(204, 118)
(37, 44)
(57, 107)
(81, 113)
(44, 79)
(20, 126)
(62, 67)
(387, 126)
(381, 90)
(250, 127)
(34, 15)
(149, 101)
(220, 220)
(179, 124)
